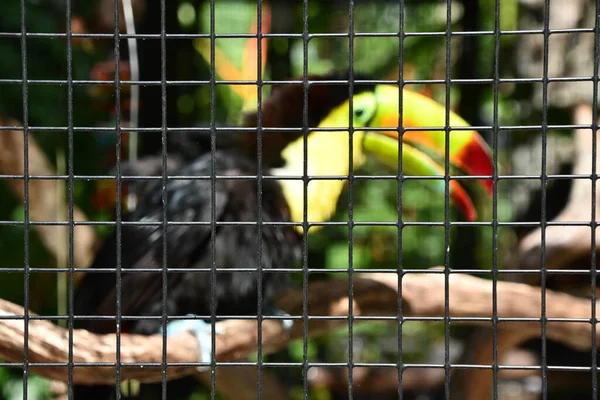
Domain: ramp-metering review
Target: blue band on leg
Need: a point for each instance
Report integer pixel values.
(201, 330)
(287, 323)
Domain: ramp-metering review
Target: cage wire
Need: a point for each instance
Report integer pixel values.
(151, 76)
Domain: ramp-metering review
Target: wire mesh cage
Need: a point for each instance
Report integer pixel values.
(305, 199)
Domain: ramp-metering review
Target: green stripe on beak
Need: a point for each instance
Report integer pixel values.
(417, 163)
(468, 151)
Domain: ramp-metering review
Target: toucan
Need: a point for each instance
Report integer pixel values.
(234, 204)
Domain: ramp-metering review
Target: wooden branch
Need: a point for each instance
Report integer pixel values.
(241, 383)
(566, 244)
(43, 202)
(374, 294)
(371, 381)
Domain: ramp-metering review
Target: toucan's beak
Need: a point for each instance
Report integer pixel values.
(423, 151)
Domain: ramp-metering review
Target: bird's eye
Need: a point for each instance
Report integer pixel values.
(363, 109)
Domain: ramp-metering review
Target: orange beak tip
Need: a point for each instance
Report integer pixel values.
(472, 216)
(469, 211)
(475, 159)
(462, 200)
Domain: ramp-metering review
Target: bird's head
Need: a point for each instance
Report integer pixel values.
(374, 114)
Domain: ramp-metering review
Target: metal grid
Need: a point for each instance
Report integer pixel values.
(496, 129)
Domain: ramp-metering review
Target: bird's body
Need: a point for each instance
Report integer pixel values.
(189, 292)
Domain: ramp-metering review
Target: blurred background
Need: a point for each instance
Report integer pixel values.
(472, 56)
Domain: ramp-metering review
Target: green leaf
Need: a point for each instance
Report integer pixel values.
(337, 256)
(37, 388)
(296, 350)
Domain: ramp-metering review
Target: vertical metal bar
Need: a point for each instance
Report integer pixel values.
(401, 130)
(71, 194)
(544, 183)
(118, 228)
(259, 173)
(350, 198)
(26, 194)
(447, 204)
(495, 129)
(594, 354)
(164, 178)
(305, 225)
(62, 279)
(213, 212)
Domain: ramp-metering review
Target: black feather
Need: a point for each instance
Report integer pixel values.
(190, 246)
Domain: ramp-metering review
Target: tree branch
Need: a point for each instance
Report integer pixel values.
(43, 202)
(567, 244)
(372, 380)
(373, 295)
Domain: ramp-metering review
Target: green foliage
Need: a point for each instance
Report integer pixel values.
(37, 388)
